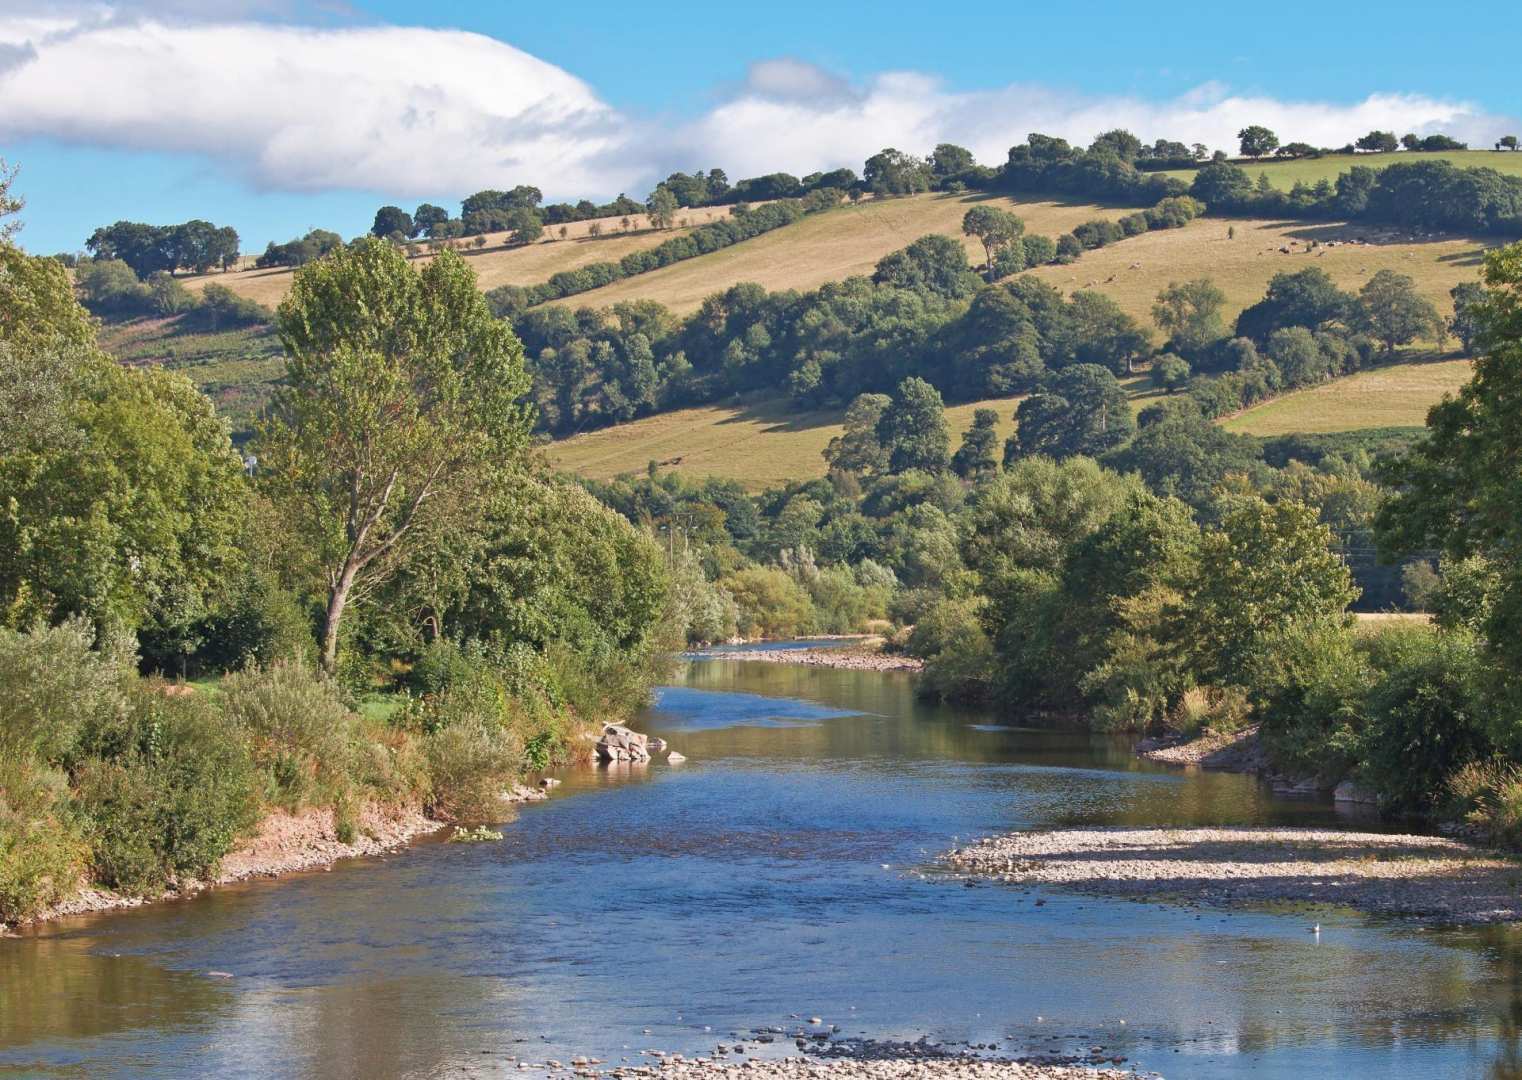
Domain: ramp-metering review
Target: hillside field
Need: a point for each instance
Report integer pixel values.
(1134, 270)
(760, 442)
(1285, 174)
(832, 246)
(1396, 396)
(767, 441)
(497, 263)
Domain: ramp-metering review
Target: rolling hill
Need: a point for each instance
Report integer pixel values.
(759, 442)
(1240, 256)
(1285, 174)
(765, 441)
(1395, 396)
(497, 263)
(832, 246)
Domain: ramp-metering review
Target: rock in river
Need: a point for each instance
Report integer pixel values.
(619, 743)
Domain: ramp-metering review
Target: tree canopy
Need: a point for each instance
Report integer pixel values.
(399, 414)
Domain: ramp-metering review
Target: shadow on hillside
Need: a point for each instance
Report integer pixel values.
(1019, 197)
(779, 415)
(1381, 236)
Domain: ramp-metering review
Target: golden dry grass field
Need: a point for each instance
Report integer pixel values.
(1134, 270)
(1285, 174)
(832, 246)
(1395, 396)
(759, 442)
(496, 263)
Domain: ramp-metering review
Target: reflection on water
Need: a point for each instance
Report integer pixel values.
(776, 872)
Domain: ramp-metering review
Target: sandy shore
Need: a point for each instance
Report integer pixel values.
(865, 655)
(283, 844)
(1425, 877)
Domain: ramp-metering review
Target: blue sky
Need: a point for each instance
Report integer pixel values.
(276, 117)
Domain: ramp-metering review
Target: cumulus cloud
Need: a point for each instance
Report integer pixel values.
(412, 111)
(299, 108)
(762, 132)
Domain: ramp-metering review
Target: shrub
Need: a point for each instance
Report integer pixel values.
(260, 624)
(959, 658)
(1208, 708)
(53, 689)
(1425, 720)
(1039, 250)
(173, 798)
(221, 309)
(1487, 795)
(39, 853)
(471, 755)
(1308, 684)
(300, 735)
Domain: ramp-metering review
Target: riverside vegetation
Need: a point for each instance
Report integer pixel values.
(386, 603)
(1161, 573)
(410, 609)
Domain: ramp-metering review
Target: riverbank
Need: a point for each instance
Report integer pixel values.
(284, 843)
(821, 1055)
(1237, 751)
(865, 655)
(1428, 878)
(879, 1069)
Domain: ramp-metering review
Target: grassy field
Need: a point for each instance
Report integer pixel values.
(757, 442)
(830, 247)
(1134, 270)
(496, 263)
(1285, 174)
(766, 441)
(1396, 396)
(237, 369)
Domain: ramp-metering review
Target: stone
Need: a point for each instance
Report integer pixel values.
(549, 782)
(655, 745)
(675, 758)
(619, 743)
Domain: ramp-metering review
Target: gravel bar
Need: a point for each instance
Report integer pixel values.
(1430, 878)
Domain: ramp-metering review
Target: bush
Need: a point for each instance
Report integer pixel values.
(472, 753)
(173, 798)
(53, 689)
(1308, 685)
(1487, 795)
(300, 735)
(1425, 720)
(1208, 708)
(1039, 250)
(39, 853)
(959, 658)
(222, 309)
(260, 624)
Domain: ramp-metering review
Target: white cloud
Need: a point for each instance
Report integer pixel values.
(403, 110)
(411, 111)
(763, 132)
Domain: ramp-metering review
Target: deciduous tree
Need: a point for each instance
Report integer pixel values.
(399, 417)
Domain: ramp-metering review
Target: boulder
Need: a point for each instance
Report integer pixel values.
(675, 758)
(619, 743)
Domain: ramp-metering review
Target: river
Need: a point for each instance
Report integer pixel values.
(781, 871)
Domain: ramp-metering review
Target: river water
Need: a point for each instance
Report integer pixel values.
(779, 872)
